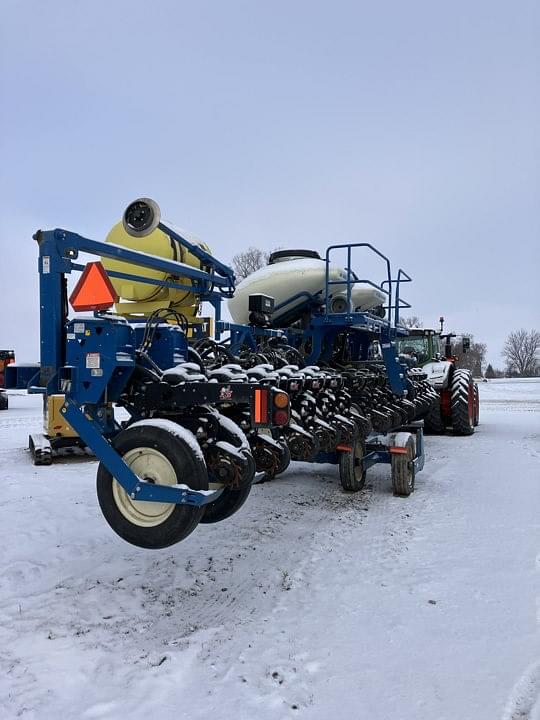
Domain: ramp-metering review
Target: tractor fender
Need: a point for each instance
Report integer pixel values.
(438, 373)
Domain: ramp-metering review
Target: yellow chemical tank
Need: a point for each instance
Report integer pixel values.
(138, 298)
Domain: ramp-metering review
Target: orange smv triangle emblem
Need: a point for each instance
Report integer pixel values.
(94, 291)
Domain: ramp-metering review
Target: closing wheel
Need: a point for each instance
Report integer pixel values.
(284, 462)
(231, 499)
(403, 472)
(158, 454)
(462, 392)
(285, 459)
(351, 467)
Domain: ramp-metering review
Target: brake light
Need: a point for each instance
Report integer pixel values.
(281, 418)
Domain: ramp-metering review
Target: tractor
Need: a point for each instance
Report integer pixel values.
(459, 406)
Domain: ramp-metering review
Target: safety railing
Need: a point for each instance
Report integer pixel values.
(390, 286)
(400, 303)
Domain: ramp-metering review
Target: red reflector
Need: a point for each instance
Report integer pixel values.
(94, 291)
(398, 450)
(261, 406)
(344, 448)
(281, 417)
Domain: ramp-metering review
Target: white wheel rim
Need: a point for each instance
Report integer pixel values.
(147, 464)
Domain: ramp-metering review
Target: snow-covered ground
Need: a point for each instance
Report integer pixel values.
(307, 603)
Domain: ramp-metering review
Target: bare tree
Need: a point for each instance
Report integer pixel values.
(521, 352)
(247, 262)
(413, 321)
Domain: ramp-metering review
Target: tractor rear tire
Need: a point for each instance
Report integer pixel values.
(403, 472)
(476, 406)
(163, 456)
(433, 422)
(351, 469)
(4, 403)
(231, 499)
(462, 402)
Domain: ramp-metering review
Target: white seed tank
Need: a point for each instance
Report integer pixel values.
(287, 276)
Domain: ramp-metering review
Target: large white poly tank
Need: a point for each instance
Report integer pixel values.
(286, 276)
(364, 297)
(282, 280)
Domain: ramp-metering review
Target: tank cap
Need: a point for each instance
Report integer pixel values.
(141, 217)
(280, 255)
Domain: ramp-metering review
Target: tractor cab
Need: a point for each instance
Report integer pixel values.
(423, 345)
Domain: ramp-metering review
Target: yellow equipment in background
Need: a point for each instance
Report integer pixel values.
(54, 424)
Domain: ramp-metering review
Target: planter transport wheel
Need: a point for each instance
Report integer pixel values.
(351, 468)
(403, 472)
(159, 454)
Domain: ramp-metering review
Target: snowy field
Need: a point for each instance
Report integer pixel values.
(309, 603)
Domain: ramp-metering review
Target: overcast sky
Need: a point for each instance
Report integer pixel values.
(411, 125)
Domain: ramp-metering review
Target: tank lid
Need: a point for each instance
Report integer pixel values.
(281, 255)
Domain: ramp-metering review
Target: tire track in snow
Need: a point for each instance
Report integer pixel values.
(15, 421)
(524, 701)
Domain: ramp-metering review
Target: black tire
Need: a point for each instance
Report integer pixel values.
(4, 403)
(351, 472)
(433, 422)
(231, 499)
(403, 472)
(476, 406)
(127, 518)
(462, 402)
